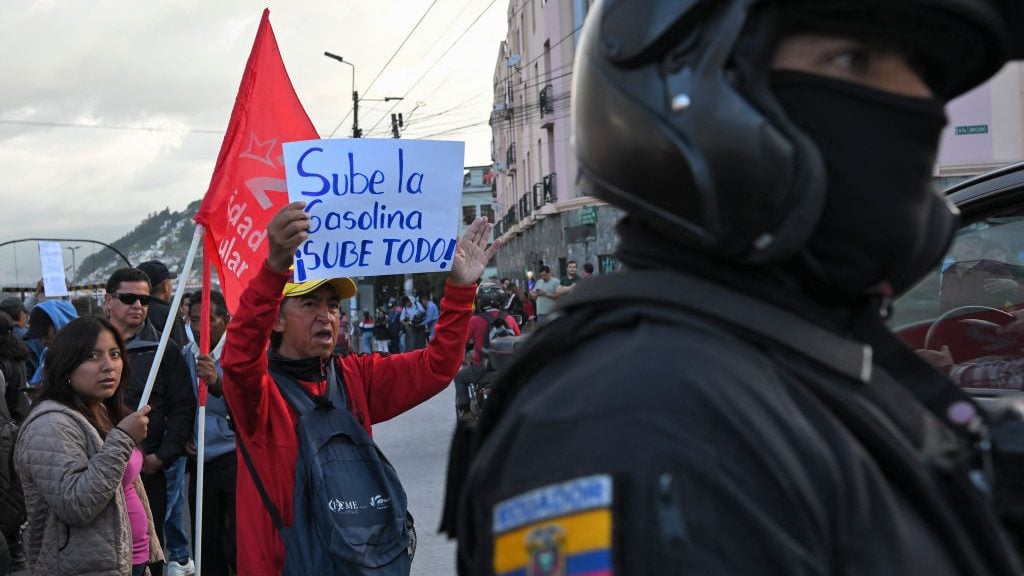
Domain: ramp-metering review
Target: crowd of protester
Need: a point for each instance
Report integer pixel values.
(116, 497)
(81, 380)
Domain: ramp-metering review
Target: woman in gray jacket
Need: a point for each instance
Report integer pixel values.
(71, 454)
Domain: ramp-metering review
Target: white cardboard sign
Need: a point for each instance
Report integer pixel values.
(51, 260)
(376, 206)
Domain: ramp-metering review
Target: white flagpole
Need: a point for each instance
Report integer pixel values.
(204, 347)
(155, 367)
(175, 304)
(197, 532)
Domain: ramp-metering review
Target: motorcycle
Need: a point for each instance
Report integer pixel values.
(473, 382)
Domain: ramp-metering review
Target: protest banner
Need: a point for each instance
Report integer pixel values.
(51, 260)
(248, 187)
(375, 206)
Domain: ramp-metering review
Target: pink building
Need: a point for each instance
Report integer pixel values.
(986, 127)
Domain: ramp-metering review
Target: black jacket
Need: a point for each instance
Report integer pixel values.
(720, 459)
(157, 315)
(173, 400)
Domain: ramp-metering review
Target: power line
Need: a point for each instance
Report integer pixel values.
(539, 56)
(439, 58)
(532, 111)
(386, 64)
(110, 127)
(524, 85)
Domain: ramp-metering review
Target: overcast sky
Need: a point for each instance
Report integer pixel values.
(111, 110)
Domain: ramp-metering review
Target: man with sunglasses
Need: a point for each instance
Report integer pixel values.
(173, 401)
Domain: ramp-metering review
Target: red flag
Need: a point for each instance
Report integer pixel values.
(248, 183)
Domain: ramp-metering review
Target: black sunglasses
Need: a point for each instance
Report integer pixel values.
(129, 299)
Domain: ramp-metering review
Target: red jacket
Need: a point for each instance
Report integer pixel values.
(378, 388)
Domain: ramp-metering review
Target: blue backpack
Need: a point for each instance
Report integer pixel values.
(350, 508)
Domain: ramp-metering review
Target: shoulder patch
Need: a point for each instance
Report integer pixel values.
(560, 529)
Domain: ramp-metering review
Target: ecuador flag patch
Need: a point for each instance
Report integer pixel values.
(556, 530)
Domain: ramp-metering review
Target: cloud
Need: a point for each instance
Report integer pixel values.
(114, 109)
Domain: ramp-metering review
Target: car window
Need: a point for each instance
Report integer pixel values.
(983, 267)
(965, 310)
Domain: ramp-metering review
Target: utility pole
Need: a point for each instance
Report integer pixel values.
(356, 132)
(396, 123)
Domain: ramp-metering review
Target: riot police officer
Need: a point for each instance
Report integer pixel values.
(734, 403)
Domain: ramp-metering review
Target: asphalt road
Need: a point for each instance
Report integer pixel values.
(416, 443)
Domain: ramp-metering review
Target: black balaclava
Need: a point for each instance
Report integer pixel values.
(884, 225)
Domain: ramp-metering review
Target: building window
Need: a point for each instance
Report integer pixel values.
(487, 211)
(468, 214)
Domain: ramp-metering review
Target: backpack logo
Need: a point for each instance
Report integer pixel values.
(343, 506)
(380, 502)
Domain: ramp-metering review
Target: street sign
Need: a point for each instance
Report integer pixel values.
(588, 215)
(975, 129)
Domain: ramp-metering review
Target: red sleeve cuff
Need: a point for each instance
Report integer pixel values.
(459, 296)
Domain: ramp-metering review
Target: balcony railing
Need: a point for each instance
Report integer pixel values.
(509, 220)
(546, 106)
(510, 157)
(538, 195)
(548, 182)
(524, 206)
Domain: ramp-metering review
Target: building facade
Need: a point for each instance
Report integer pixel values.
(478, 200)
(986, 128)
(541, 216)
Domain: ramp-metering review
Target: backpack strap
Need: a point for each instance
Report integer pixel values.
(302, 403)
(690, 295)
(275, 514)
(676, 291)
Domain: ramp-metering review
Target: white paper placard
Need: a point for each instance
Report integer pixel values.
(376, 206)
(51, 260)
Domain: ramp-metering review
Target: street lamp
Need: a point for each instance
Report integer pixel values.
(356, 132)
(74, 269)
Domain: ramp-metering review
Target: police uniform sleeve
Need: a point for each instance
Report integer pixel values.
(645, 459)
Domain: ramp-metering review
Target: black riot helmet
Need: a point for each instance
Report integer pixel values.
(490, 295)
(675, 120)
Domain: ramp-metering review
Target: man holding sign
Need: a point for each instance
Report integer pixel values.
(300, 320)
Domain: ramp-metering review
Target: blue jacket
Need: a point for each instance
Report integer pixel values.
(220, 439)
(61, 312)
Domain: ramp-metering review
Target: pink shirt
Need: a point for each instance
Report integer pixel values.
(136, 512)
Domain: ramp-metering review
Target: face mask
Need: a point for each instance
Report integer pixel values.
(883, 222)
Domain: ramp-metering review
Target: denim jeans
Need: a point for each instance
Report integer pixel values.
(175, 530)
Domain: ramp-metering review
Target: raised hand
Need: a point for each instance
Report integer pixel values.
(472, 253)
(286, 231)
